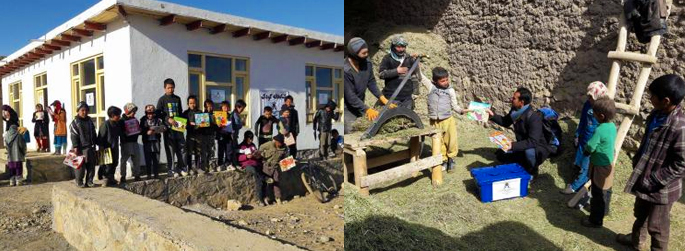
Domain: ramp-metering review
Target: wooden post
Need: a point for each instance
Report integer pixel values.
(415, 152)
(347, 163)
(359, 160)
(437, 170)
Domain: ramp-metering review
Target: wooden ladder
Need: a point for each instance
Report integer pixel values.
(647, 60)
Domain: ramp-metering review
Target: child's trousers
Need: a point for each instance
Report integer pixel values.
(450, 146)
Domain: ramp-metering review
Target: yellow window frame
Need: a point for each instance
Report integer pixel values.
(235, 75)
(40, 84)
(336, 88)
(16, 103)
(76, 89)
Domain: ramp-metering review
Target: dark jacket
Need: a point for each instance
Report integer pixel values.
(188, 114)
(41, 127)
(387, 70)
(264, 126)
(151, 143)
(169, 106)
(658, 172)
(323, 121)
(83, 137)
(646, 18)
(528, 130)
(13, 120)
(108, 137)
(125, 138)
(294, 120)
(356, 84)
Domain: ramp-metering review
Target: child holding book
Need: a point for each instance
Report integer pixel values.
(151, 128)
(129, 142)
(193, 141)
(41, 128)
(601, 150)
(224, 138)
(207, 135)
(108, 137)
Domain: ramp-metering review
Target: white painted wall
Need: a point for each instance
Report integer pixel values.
(114, 44)
(160, 52)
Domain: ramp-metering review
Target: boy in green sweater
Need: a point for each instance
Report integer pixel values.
(601, 150)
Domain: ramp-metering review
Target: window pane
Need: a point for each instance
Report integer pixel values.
(37, 81)
(194, 60)
(75, 69)
(16, 91)
(101, 63)
(88, 72)
(324, 77)
(194, 82)
(102, 90)
(218, 69)
(308, 71)
(241, 65)
(219, 94)
(88, 95)
(44, 80)
(338, 73)
(322, 97)
(239, 82)
(308, 87)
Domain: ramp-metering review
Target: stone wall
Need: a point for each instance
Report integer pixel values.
(215, 189)
(114, 219)
(553, 47)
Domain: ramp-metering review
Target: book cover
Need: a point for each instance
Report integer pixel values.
(202, 119)
(131, 127)
(287, 163)
(501, 140)
(478, 112)
(221, 118)
(180, 125)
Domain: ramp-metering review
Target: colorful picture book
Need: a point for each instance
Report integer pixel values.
(221, 118)
(287, 163)
(180, 125)
(157, 129)
(202, 119)
(104, 156)
(501, 140)
(477, 111)
(74, 161)
(131, 127)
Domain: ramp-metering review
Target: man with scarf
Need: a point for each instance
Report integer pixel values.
(393, 68)
(530, 148)
(358, 77)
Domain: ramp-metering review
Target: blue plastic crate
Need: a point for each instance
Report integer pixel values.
(501, 182)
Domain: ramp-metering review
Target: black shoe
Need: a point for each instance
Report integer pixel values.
(450, 164)
(587, 223)
(122, 181)
(137, 178)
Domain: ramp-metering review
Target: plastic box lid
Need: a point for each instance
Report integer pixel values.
(498, 173)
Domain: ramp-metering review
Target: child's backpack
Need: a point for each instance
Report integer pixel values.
(551, 129)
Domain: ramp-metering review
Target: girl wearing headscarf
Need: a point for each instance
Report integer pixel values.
(15, 145)
(59, 116)
(9, 116)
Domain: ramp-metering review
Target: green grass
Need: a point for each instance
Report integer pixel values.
(412, 215)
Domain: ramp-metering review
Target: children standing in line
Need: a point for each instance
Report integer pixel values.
(193, 142)
(150, 128)
(323, 123)
(168, 107)
(265, 125)
(59, 116)
(129, 142)
(442, 102)
(586, 128)
(108, 137)
(601, 150)
(41, 128)
(83, 141)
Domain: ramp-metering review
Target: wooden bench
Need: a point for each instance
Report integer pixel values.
(356, 161)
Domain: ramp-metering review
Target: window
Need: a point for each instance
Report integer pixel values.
(219, 78)
(41, 90)
(88, 84)
(15, 94)
(322, 83)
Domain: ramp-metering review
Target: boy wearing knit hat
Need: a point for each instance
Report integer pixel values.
(358, 77)
(272, 152)
(129, 142)
(83, 141)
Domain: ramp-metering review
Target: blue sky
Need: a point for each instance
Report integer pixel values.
(28, 19)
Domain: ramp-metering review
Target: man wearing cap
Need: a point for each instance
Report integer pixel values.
(393, 68)
(272, 152)
(323, 123)
(129, 142)
(83, 141)
(59, 116)
(358, 77)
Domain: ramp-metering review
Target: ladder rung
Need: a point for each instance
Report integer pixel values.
(627, 108)
(632, 56)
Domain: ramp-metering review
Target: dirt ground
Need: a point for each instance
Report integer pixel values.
(25, 220)
(303, 222)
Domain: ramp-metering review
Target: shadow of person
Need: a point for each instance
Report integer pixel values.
(566, 218)
(392, 233)
(564, 161)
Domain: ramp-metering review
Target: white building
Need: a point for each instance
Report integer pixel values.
(121, 51)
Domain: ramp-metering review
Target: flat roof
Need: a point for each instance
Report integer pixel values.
(95, 19)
